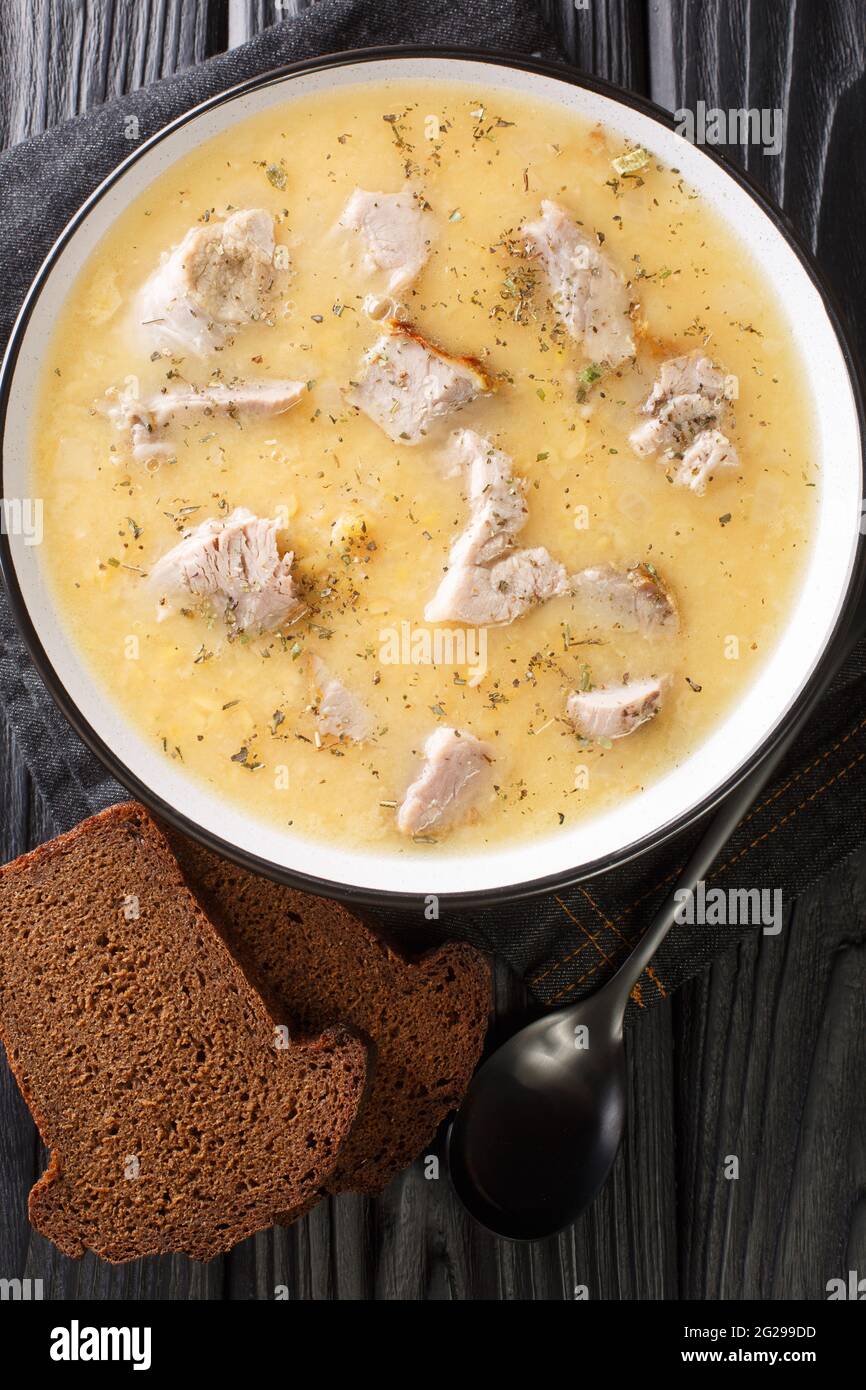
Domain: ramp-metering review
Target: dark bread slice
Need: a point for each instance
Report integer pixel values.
(427, 1018)
(141, 1040)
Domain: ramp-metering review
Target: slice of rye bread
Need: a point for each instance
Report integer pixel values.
(427, 1018)
(175, 1118)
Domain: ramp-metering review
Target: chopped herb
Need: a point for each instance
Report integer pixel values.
(276, 175)
(631, 163)
(723, 520)
(694, 685)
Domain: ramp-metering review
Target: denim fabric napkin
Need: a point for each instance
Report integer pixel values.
(564, 945)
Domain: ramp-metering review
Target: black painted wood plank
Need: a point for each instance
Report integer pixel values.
(57, 59)
(770, 1043)
(607, 39)
(249, 17)
(415, 1242)
(60, 57)
(772, 1052)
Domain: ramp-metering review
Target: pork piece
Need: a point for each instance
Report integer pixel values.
(397, 232)
(497, 499)
(589, 294)
(457, 774)
(711, 453)
(614, 711)
(339, 713)
(489, 582)
(634, 599)
(689, 400)
(408, 384)
(235, 565)
(220, 277)
(494, 595)
(147, 420)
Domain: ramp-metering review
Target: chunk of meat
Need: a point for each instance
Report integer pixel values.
(147, 420)
(408, 384)
(489, 582)
(234, 564)
(614, 711)
(710, 453)
(589, 294)
(692, 374)
(397, 233)
(497, 594)
(220, 277)
(689, 399)
(497, 499)
(456, 776)
(634, 599)
(339, 713)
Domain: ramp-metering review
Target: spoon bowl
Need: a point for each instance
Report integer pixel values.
(541, 1122)
(535, 1139)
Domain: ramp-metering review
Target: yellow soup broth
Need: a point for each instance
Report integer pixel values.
(237, 709)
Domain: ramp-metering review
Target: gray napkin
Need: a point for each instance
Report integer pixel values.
(563, 944)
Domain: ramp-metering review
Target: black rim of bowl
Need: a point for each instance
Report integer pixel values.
(383, 897)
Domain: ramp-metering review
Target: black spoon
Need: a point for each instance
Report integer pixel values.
(538, 1131)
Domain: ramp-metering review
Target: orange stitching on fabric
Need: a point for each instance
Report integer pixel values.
(657, 982)
(588, 933)
(801, 772)
(585, 976)
(627, 942)
(852, 732)
(607, 922)
(536, 979)
(762, 805)
(612, 963)
(813, 796)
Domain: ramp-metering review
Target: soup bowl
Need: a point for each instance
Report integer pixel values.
(828, 593)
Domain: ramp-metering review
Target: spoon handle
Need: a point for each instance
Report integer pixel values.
(728, 816)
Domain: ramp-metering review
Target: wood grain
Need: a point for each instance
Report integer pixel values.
(763, 1057)
(770, 1045)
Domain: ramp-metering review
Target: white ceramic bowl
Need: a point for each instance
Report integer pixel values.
(835, 562)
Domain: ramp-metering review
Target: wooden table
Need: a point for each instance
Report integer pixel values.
(764, 1057)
